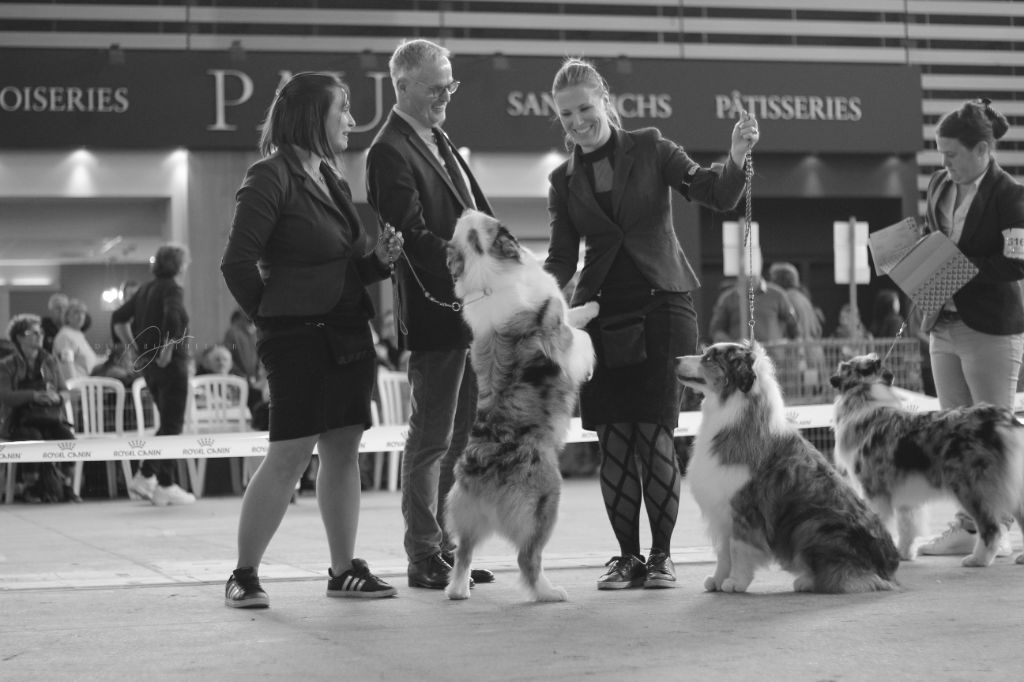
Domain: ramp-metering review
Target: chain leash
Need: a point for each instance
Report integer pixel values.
(454, 306)
(748, 164)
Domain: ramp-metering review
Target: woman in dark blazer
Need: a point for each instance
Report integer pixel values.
(976, 341)
(614, 193)
(298, 262)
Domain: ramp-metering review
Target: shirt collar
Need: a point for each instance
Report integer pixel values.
(423, 131)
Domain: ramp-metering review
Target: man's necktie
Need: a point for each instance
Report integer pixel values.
(452, 166)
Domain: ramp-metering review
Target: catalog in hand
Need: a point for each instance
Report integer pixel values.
(928, 269)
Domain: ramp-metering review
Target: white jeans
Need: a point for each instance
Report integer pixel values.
(971, 367)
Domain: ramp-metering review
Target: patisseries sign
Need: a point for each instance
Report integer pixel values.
(69, 98)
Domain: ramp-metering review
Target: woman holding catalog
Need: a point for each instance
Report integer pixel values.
(976, 340)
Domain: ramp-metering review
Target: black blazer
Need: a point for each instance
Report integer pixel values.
(647, 166)
(990, 303)
(290, 246)
(409, 188)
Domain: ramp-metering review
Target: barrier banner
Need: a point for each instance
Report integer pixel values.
(376, 439)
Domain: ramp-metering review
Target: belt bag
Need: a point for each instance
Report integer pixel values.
(624, 338)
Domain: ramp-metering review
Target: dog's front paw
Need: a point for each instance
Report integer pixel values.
(457, 590)
(907, 554)
(711, 585)
(972, 561)
(803, 583)
(579, 317)
(552, 594)
(732, 585)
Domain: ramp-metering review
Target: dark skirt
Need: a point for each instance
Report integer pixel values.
(645, 392)
(310, 392)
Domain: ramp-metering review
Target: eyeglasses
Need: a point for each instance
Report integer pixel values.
(436, 91)
(32, 332)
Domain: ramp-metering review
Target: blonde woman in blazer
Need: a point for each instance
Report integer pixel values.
(614, 194)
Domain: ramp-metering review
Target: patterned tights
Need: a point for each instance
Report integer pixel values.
(623, 448)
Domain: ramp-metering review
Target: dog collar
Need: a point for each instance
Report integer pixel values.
(487, 291)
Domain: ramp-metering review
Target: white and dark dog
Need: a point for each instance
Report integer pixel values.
(901, 459)
(529, 361)
(767, 493)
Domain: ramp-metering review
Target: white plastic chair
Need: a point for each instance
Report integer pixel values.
(88, 411)
(140, 401)
(393, 391)
(217, 403)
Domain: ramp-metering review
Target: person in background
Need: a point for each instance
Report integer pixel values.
(389, 354)
(774, 316)
(977, 339)
(54, 319)
(119, 364)
(417, 182)
(153, 326)
(297, 262)
(240, 339)
(73, 351)
(32, 397)
(807, 357)
(614, 193)
(886, 320)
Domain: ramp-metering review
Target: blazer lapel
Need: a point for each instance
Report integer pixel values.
(973, 218)
(417, 143)
(623, 166)
(307, 183)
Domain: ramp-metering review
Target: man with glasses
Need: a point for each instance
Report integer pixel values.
(417, 182)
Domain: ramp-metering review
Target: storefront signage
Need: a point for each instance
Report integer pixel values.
(204, 100)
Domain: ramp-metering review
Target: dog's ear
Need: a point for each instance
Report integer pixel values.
(453, 258)
(505, 244)
(842, 369)
(743, 365)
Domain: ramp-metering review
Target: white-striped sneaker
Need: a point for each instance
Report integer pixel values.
(358, 582)
(141, 486)
(959, 540)
(172, 494)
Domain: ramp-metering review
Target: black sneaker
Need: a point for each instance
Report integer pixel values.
(243, 590)
(623, 571)
(358, 582)
(661, 572)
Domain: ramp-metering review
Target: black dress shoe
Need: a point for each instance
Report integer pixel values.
(476, 575)
(430, 573)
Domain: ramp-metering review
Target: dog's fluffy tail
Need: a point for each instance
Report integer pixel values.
(868, 564)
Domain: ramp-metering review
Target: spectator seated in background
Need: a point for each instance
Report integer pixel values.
(54, 319)
(217, 360)
(240, 340)
(73, 351)
(32, 396)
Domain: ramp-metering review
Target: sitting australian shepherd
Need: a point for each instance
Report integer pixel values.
(767, 493)
(529, 362)
(901, 459)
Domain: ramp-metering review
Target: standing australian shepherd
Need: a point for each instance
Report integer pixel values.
(766, 493)
(901, 459)
(529, 363)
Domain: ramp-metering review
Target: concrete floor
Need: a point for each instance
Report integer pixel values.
(123, 590)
